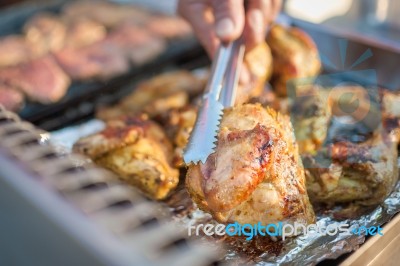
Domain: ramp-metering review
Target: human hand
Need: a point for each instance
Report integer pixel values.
(216, 21)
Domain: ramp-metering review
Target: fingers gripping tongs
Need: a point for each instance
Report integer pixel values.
(219, 93)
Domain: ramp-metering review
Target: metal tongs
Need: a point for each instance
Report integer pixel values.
(219, 94)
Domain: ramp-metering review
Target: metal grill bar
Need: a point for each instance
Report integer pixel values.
(143, 228)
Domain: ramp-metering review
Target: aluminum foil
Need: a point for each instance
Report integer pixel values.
(301, 250)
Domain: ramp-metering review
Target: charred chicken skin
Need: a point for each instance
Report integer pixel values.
(138, 151)
(355, 159)
(255, 174)
(362, 173)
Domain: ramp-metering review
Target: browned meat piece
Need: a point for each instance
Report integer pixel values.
(46, 31)
(92, 62)
(10, 98)
(256, 174)
(14, 50)
(42, 80)
(169, 27)
(361, 173)
(349, 157)
(157, 95)
(139, 45)
(259, 65)
(138, 151)
(391, 113)
(178, 124)
(106, 13)
(82, 32)
(294, 54)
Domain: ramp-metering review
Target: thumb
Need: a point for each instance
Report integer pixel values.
(229, 19)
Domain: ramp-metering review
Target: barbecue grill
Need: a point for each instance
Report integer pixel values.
(61, 209)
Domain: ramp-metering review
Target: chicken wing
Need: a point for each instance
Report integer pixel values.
(256, 174)
(294, 54)
(138, 151)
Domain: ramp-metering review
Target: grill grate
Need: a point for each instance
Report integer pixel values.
(142, 225)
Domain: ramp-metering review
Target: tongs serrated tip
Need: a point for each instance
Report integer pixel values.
(219, 93)
(207, 117)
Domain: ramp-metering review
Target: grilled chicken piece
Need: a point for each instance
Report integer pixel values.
(46, 31)
(362, 173)
(355, 159)
(106, 13)
(256, 174)
(10, 98)
(259, 64)
(42, 80)
(83, 32)
(178, 124)
(139, 45)
(391, 113)
(157, 95)
(310, 117)
(294, 54)
(95, 61)
(138, 151)
(15, 50)
(169, 27)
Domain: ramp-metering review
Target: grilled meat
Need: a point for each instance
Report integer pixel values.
(391, 114)
(46, 31)
(310, 117)
(10, 98)
(42, 80)
(349, 157)
(259, 64)
(15, 50)
(139, 45)
(294, 54)
(138, 151)
(169, 27)
(106, 13)
(256, 174)
(95, 61)
(362, 173)
(178, 124)
(83, 32)
(157, 95)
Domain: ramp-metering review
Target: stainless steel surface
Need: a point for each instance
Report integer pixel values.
(355, 56)
(374, 19)
(57, 209)
(223, 71)
(228, 94)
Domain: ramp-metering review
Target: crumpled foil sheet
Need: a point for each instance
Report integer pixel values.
(300, 250)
